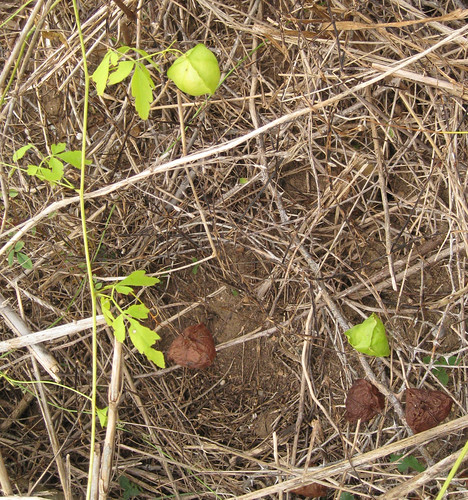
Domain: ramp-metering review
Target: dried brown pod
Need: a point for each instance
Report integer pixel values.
(312, 490)
(193, 348)
(426, 409)
(363, 402)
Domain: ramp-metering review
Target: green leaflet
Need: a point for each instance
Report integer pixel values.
(139, 278)
(369, 337)
(142, 90)
(143, 338)
(101, 74)
(407, 463)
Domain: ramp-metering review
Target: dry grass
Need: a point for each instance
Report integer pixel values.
(349, 124)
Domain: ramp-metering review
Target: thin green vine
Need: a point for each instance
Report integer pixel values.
(86, 251)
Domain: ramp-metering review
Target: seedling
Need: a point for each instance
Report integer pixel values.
(196, 72)
(439, 367)
(128, 320)
(195, 267)
(369, 337)
(407, 463)
(12, 193)
(52, 167)
(16, 254)
(130, 490)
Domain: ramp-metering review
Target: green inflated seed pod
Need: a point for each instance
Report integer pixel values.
(369, 337)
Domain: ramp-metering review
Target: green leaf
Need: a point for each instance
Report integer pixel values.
(11, 257)
(157, 357)
(58, 148)
(56, 170)
(101, 73)
(52, 175)
(102, 416)
(121, 51)
(19, 245)
(33, 170)
(12, 193)
(118, 325)
(24, 261)
(195, 267)
(19, 153)
(130, 490)
(105, 306)
(243, 180)
(369, 337)
(143, 338)
(142, 90)
(124, 290)
(196, 72)
(139, 278)
(139, 311)
(453, 361)
(73, 158)
(407, 463)
(347, 496)
(439, 371)
(123, 70)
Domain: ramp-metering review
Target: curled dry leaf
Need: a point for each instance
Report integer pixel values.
(313, 490)
(193, 348)
(364, 401)
(426, 409)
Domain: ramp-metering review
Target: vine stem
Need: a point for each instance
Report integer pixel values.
(89, 269)
(453, 471)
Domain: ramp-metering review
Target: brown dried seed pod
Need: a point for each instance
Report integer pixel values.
(193, 348)
(313, 490)
(363, 402)
(426, 409)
